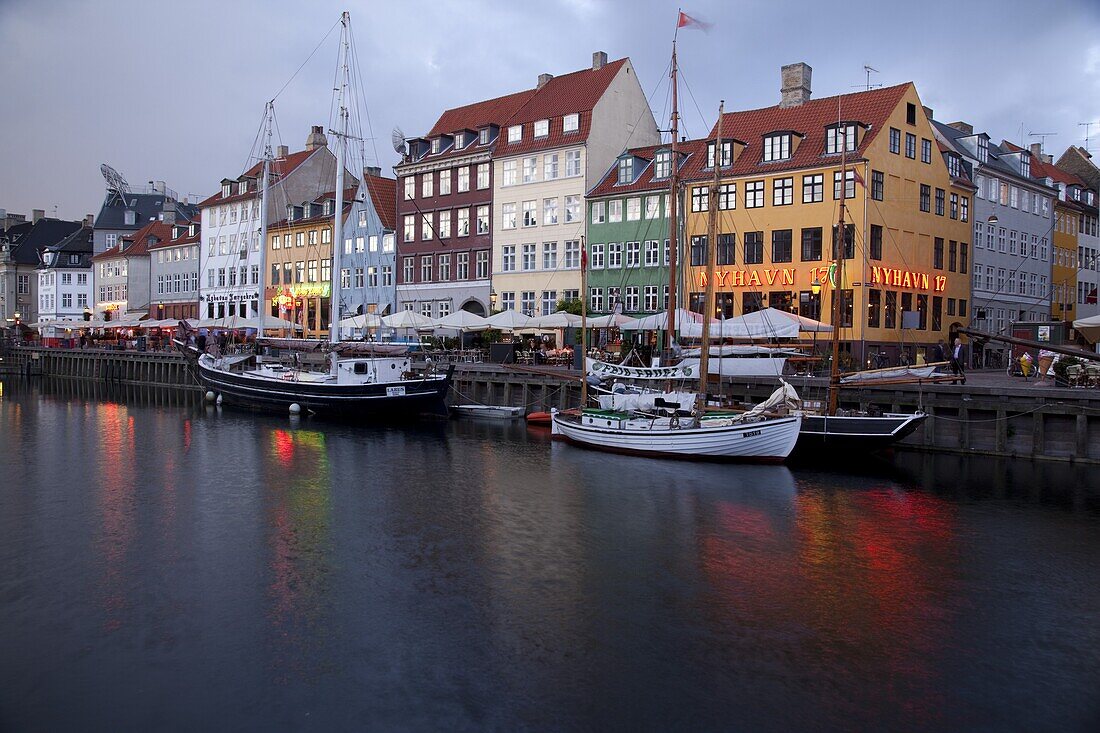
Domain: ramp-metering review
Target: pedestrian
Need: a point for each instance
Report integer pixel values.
(957, 357)
(939, 352)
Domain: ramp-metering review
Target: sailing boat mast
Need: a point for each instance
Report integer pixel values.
(584, 322)
(263, 301)
(673, 202)
(341, 136)
(712, 256)
(838, 266)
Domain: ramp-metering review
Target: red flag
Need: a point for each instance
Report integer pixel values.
(584, 259)
(686, 21)
(1091, 298)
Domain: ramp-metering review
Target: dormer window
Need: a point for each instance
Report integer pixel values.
(242, 187)
(953, 165)
(542, 128)
(460, 141)
(175, 232)
(515, 133)
(191, 230)
(435, 146)
(227, 190)
(626, 169)
(1076, 193)
(662, 164)
(727, 154)
(1025, 165)
(290, 213)
(327, 207)
(483, 136)
(983, 150)
(129, 217)
(776, 147)
(840, 137)
(571, 123)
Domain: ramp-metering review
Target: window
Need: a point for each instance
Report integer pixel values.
(530, 169)
(964, 255)
(570, 123)
(782, 191)
(983, 149)
(462, 266)
(925, 197)
(444, 225)
(444, 268)
(572, 209)
(572, 163)
(483, 220)
(652, 207)
(633, 254)
(626, 169)
(813, 188)
(549, 300)
(890, 315)
(599, 212)
(615, 255)
(444, 189)
(776, 147)
(530, 213)
(508, 216)
(410, 228)
(528, 256)
(595, 299)
(925, 150)
(407, 270)
(426, 228)
(572, 254)
(911, 113)
(910, 145)
(875, 249)
(1014, 197)
(515, 132)
(754, 194)
(838, 136)
(699, 250)
(811, 244)
(939, 201)
(781, 245)
(727, 154)
(528, 302)
(877, 185)
(937, 253)
(542, 128)
(425, 268)
(953, 168)
(427, 182)
(954, 212)
(410, 187)
(754, 248)
(550, 211)
(652, 253)
(727, 196)
(650, 302)
(615, 211)
(874, 308)
(595, 257)
(549, 255)
(895, 140)
(550, 166)
(700, 198)
(463, 223)
(508, 174)
(633, 209)
(631, 302)
(849, 241)
(849, 185)
(482, 265)
(662, 164)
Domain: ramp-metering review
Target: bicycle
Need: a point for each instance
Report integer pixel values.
(1016, 366)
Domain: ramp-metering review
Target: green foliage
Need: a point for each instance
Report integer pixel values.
(1063, 364)
(569, 306)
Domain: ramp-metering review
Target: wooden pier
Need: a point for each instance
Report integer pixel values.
(1017, 420)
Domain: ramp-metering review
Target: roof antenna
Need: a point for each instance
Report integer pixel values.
(1042, 138)
(868, 69)
(1087, 126)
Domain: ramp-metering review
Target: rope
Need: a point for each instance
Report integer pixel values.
(544, 398)
(996, 419)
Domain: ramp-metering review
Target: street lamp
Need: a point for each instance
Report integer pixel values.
(492, 300)
(992, 219)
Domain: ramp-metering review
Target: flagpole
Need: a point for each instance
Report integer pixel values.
(838, 286)
(584, 322)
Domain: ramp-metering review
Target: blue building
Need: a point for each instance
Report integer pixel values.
(368, 260)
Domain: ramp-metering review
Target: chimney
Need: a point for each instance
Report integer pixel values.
(928, 112)
(37, 214)
(316, 138)
(89, 220)
(282, 151)
(373, 170)
(1036, 150)
(964, 127)
(599, 60)
(1048, 159)
(796, 84)
(543, 78)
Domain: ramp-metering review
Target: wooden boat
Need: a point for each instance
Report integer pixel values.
(488, 412)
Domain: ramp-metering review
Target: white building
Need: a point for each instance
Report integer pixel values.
(65, 278)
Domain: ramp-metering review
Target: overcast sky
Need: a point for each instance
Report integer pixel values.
(175, 91)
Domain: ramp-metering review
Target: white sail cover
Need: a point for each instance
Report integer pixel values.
(618, 371)
(769, 323)
(874, 375)
(645, 402)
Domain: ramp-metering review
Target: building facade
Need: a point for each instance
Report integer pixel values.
(127, 209)
(65, 278)
(230, 281)
(121, 274)
(368, 261)
(444, 202)
(1079, 162)
(905, 278)
(555, 148)
(174, 271)
(20, 244)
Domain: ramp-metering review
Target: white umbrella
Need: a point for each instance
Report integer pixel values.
(234, 323)
(560, 319)
(407, 319)
(1088, 327)
(364, 320)
(769, 323)
(612, 320)
(659, 321)
(462, 321)
(509, 320)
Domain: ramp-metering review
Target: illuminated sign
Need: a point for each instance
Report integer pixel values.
(897, 278)
(770, 277)
(749, 278)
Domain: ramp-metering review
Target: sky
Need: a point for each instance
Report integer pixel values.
(175, 91)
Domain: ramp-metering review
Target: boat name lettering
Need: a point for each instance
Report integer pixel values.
(617, 370)
(750, 433)
(395, 391)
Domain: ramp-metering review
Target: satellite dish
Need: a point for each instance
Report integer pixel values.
(398, 139)
(115, 181)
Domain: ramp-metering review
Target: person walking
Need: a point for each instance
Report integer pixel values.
(939, 352)
(957, 357)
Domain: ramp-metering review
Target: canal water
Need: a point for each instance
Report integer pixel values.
(166, 565)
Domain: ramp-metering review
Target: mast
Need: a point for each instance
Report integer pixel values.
(838, 268)
(584, 322)
(260, 316)
(673, 203)
(712, 256)
(338, 219)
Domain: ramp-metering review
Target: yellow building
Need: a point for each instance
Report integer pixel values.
(1063, 291)
(905, 279)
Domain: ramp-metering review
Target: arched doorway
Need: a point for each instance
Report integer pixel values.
(474, 306)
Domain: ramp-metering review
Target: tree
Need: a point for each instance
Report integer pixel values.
(570, 306)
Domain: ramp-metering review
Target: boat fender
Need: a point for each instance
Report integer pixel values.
(210, 396)
(674, 421)
(295, 409)
(219, 400)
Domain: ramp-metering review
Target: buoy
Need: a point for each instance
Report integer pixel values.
(295, 408)
(219, 400)
(210, 396)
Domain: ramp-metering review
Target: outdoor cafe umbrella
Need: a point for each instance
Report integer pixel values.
(509, 320)
(462, 321)
(611, 320)
(362, 321)
(659, 321)
(560, 319)
(406, 320)
(1088, 327)
(768, 323)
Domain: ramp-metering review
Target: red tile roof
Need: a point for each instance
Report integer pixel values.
(383, 194)
(472, 116)
(134, 245)
(349, 198)
(609, 186)
(281, 167)
(184, 237)
(808, 119)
